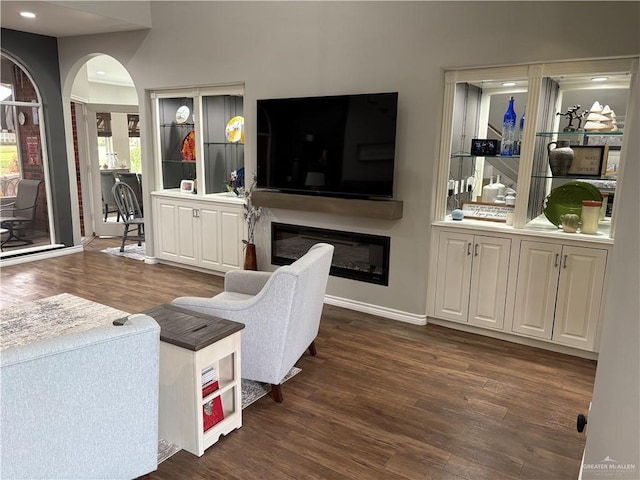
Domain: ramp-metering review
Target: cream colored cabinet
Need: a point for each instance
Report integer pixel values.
(204, 233)
(559, 293)
(472, 278)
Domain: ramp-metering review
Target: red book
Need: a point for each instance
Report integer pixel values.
(209, 388)
(212, 412)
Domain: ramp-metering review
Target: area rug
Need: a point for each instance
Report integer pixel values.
(61, 314)
(130, 251)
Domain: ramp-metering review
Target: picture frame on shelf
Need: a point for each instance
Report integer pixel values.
(589, 161)
(491, 212)
(187, 186)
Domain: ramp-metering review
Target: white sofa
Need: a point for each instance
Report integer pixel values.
(281, 312)
(82, 405)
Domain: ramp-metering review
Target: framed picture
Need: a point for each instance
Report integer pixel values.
(485, 147)
(589, 161)
(487, 211)
(187, 186)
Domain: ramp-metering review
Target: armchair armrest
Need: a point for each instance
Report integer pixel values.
(248, 282)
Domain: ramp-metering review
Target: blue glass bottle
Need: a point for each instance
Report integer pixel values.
(508, 131)
(520, 133)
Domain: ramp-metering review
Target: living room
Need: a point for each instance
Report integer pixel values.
(296, 49)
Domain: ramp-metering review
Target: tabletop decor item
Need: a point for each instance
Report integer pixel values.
(508, 131)
(560, 157)
(234, 131)
(251, 216)
(568, 198)
(188, 150)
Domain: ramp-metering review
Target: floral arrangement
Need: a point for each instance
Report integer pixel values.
(251, 212)
(232, 182)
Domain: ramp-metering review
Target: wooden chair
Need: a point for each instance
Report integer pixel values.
(130, 213)
(107, 181)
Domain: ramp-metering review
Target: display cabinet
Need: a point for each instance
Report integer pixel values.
(199, 136)
(475, 103)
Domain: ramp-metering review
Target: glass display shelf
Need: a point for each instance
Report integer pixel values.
(581, 133)
(170, 125)
(468, 155)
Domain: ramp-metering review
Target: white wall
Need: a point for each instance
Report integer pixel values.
(283, 49)
(614, 425)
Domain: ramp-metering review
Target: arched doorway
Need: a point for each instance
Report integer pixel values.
(104, 107)
(26, 215)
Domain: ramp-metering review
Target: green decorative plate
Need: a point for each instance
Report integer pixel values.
(568, 198)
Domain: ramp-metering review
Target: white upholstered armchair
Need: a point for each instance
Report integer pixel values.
(281, 311)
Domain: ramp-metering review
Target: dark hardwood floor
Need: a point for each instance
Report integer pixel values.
(381, 400)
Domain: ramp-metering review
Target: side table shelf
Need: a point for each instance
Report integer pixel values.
(192, 343)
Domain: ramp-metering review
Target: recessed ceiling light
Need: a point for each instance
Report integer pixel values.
(599, 79)
(100, 72)
(509, 84)
(28, 14)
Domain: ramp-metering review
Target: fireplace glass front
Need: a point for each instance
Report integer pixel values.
(356, 256)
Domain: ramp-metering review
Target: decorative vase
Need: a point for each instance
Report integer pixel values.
(560, 158)
(250, 259)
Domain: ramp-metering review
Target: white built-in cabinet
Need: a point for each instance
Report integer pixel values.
(559, 292)
(472, 273)
(205, 232)
(510, 284)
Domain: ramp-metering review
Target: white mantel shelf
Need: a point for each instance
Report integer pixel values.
(385, 209)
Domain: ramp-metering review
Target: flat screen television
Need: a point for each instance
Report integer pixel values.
(340, 145)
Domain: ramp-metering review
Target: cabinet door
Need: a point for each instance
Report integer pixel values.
(579, 296)
(536, 288)
(454, 276)
(187, 241)
(166, 228)
(232, 228)
(489, 276)
(209, 232)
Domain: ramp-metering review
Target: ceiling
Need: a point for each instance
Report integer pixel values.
(64, 19)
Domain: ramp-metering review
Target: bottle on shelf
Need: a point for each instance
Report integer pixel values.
(500, 186)
(518, 148)
(508, 130)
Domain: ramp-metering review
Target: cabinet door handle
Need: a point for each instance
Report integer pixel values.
(475, 250)
(469, 248)
(564, 262)
(557, 257)
(196, 213)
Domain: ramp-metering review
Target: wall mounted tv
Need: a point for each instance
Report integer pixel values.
(340, 145)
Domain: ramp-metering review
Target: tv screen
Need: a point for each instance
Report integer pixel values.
(336, 145)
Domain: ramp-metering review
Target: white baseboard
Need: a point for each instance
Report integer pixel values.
(513, 338)
(35, 255)
(376, 310)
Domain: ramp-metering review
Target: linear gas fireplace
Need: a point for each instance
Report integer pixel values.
(356, 256)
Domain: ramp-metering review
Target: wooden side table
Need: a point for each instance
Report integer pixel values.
(192, 343)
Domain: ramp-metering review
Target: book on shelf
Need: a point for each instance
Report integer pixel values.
(209, 381)
(212, 413)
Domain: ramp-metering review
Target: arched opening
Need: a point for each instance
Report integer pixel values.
(25, 216)
(105, 121)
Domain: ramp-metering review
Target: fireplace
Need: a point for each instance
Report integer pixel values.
(357, 256)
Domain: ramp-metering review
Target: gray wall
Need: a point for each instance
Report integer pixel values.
(317, 48)
(39, 56)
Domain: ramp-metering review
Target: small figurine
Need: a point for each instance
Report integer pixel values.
(572, 114)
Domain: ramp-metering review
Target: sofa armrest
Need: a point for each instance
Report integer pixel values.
(248, 282)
